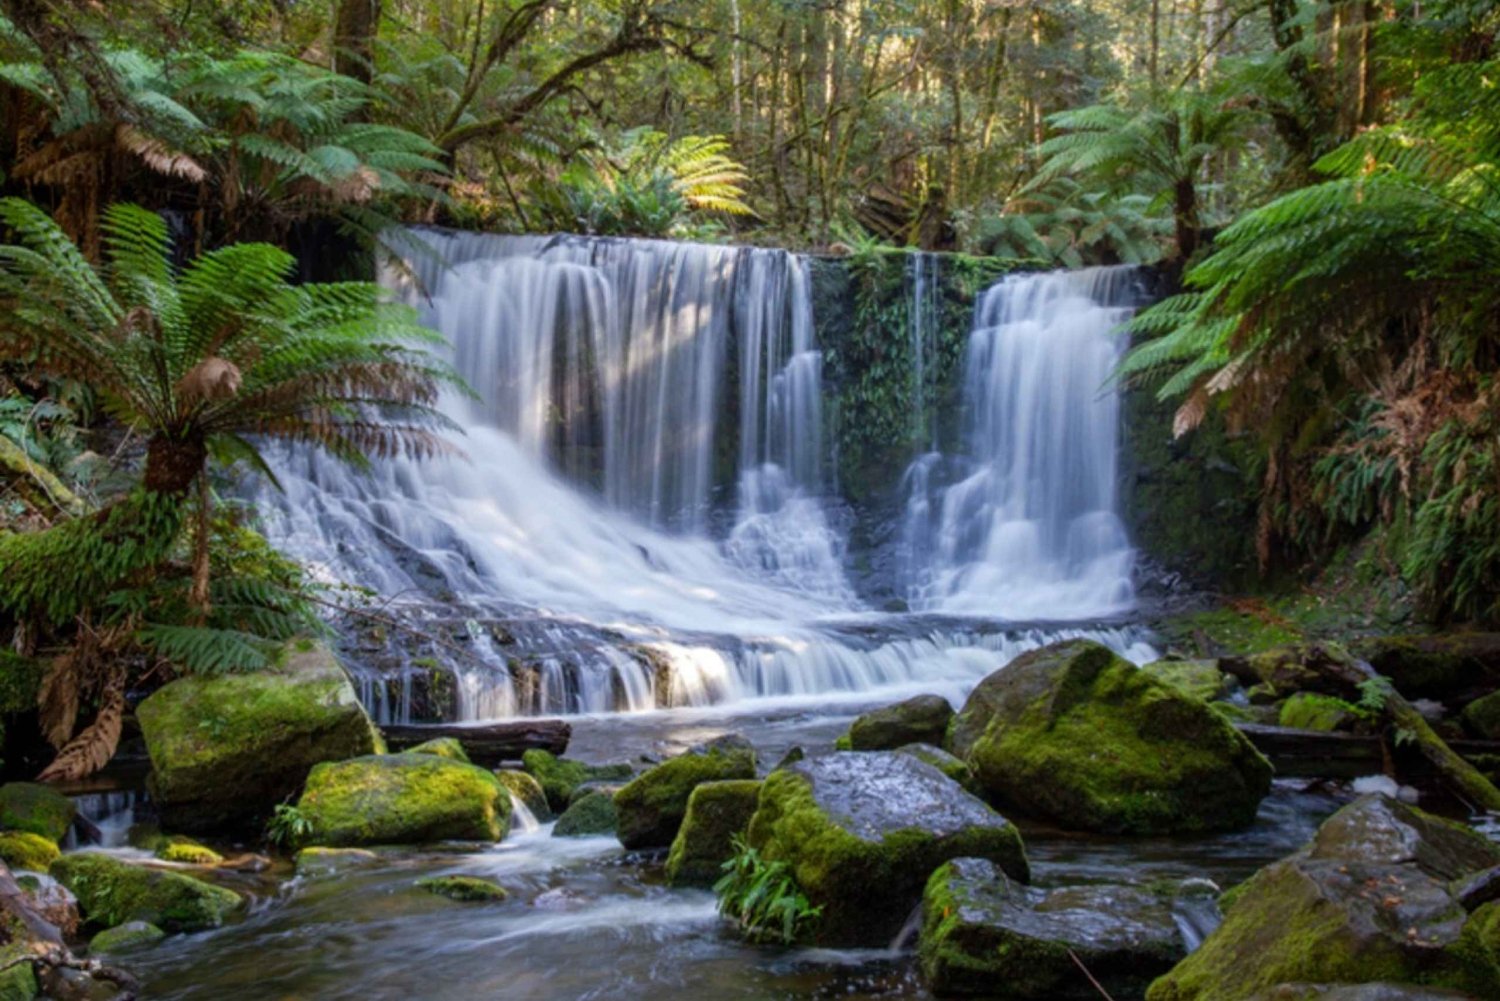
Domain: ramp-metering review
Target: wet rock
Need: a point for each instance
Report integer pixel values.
(1358, 992)
(1438, 666)
(862, 831)
(39, 809)
(592, 815)
(126, 937)
(1482, 717)
(984, 934)
(403, 799)
(1369, 899)
(54, 902)
(111, 892)
(589, 788)
(25, 850)
(1075, 733)
(559, 776)
(652, 805)
(316, 861)
(948, 764)
(443, 747)
(1310, 711)
(716, 813)
(467, 889)
(224, 750)
(1292, 668)
(1478, 889)
(1199, 678)
(920, 720)
(528, 790)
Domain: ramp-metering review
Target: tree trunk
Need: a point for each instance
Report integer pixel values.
(354, 31)
(198, 595)
(172, 465)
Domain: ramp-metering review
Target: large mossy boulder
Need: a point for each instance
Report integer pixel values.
(225, 750)
(985, 935)
(923, 719)
(652, 805)
(716, 813)
(37, 808)
(558, 777)
(1371, 898)
(111, 892)
(590, 815)
(403, 799)
(1075, 733)
(862, 831)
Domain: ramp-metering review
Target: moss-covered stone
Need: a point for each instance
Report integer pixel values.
(862, 831)
(40, 809)
(716, 813)
(1075, 733)
(984, 934)
(1438, 666)
(1294, 667)
(176, 848)
(25, 850)
(591, 815)
(225, 750)
(923, 719)
(1199, 678)
(111, 892)
(317, 861)
(468, 889)
(126, 937)
(843, 742)
(559, 776)
(950, 765)
(403, 799)
(1482, 717)
(651, 807)
(528, 790)
(1310, 711)
(443, 747)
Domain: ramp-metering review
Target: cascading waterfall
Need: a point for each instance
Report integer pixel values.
(1026, 528)
(572, 560)
(922, 319)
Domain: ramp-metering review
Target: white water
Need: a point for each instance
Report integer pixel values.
(1028, 527)
(582, 514)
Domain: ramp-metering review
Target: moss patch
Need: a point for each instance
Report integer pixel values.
(1482, 717)
(716, 813)
(403, 799)
(467, 889)
(111, 892)
(24, 850)
(651, 806)
(1201, 679)
(443, 747)
(560, 776)
(529, 791)
(40, 809)
(591, 815)
(1310, 711)
(187, 851)
(125, 937)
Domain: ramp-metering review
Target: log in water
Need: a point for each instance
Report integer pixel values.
(488, 743)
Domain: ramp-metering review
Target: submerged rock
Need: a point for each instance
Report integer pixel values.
(224, 750)
(652, 806)
(1369, 899)
(528, 790)
(111, 892)
(402, 799)
(467, 889)
(318, 861)
(589, 816)
(862, 831)
(984, 934)
(125, 937)
(560, 776)
(443, 747)
(1075, 733)
(923, 719)
(716, 813)
(37, 808)
(25, 850)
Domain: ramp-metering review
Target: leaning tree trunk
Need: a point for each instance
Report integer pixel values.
(354, 39)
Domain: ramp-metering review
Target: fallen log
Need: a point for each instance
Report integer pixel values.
(487, 743)
(1321, 754)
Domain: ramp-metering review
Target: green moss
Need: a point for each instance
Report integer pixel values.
(1482, 717)
(922, 719)
(560, 776)
(18, 982)
(40, 809)
(318, 861)
(716, 813)
(468, 889)
(590, 815)
(20, 677)
(403, 799)
(950, 765)
(125, 937)
(652, 805)
(1477, 953)
(185, 850)
(1201, 679)
(25, 850)
(843, 743)
(1310, 711)
(1226, 630)
(443, 747)
(111, 892)
(529, 791)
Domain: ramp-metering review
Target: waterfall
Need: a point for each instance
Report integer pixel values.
(923, 318)
(1026, 526)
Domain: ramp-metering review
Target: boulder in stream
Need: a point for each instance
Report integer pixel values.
(38, 808)
(403, 799)
(226, 749)
(558, 777)
(922, 719)
(126, 937)
(862, 831)
(465, 889)
(984, 934)
(28, 851)
(1075, 733)
(1199, 678)
(111, 892)
(528, 790)
(652, 805)
(591, 815)
(716, 813)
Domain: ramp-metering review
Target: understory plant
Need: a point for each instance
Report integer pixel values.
(763, 898)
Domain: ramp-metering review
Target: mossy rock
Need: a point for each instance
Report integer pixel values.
(225, 750)
(18, 982)
(843, 742)
(716, 813)
(443, 747)
(1077, 734)
(981, 929)
(1310, 711)
(175, 848)
(559, 776)
(590, 788)
(317, 861)
(38, 808)
(1294, 667)
(466, 889)
(126, 937)
(590, 816)
(1359, 992)
(923, 719)
(25, 850)
(111, 892)
(652, 805)
(528, 790)
(1438, 666)
(862, 831)
(402, 799)
(1201, 679)
(1482, 717)
(950, 765)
